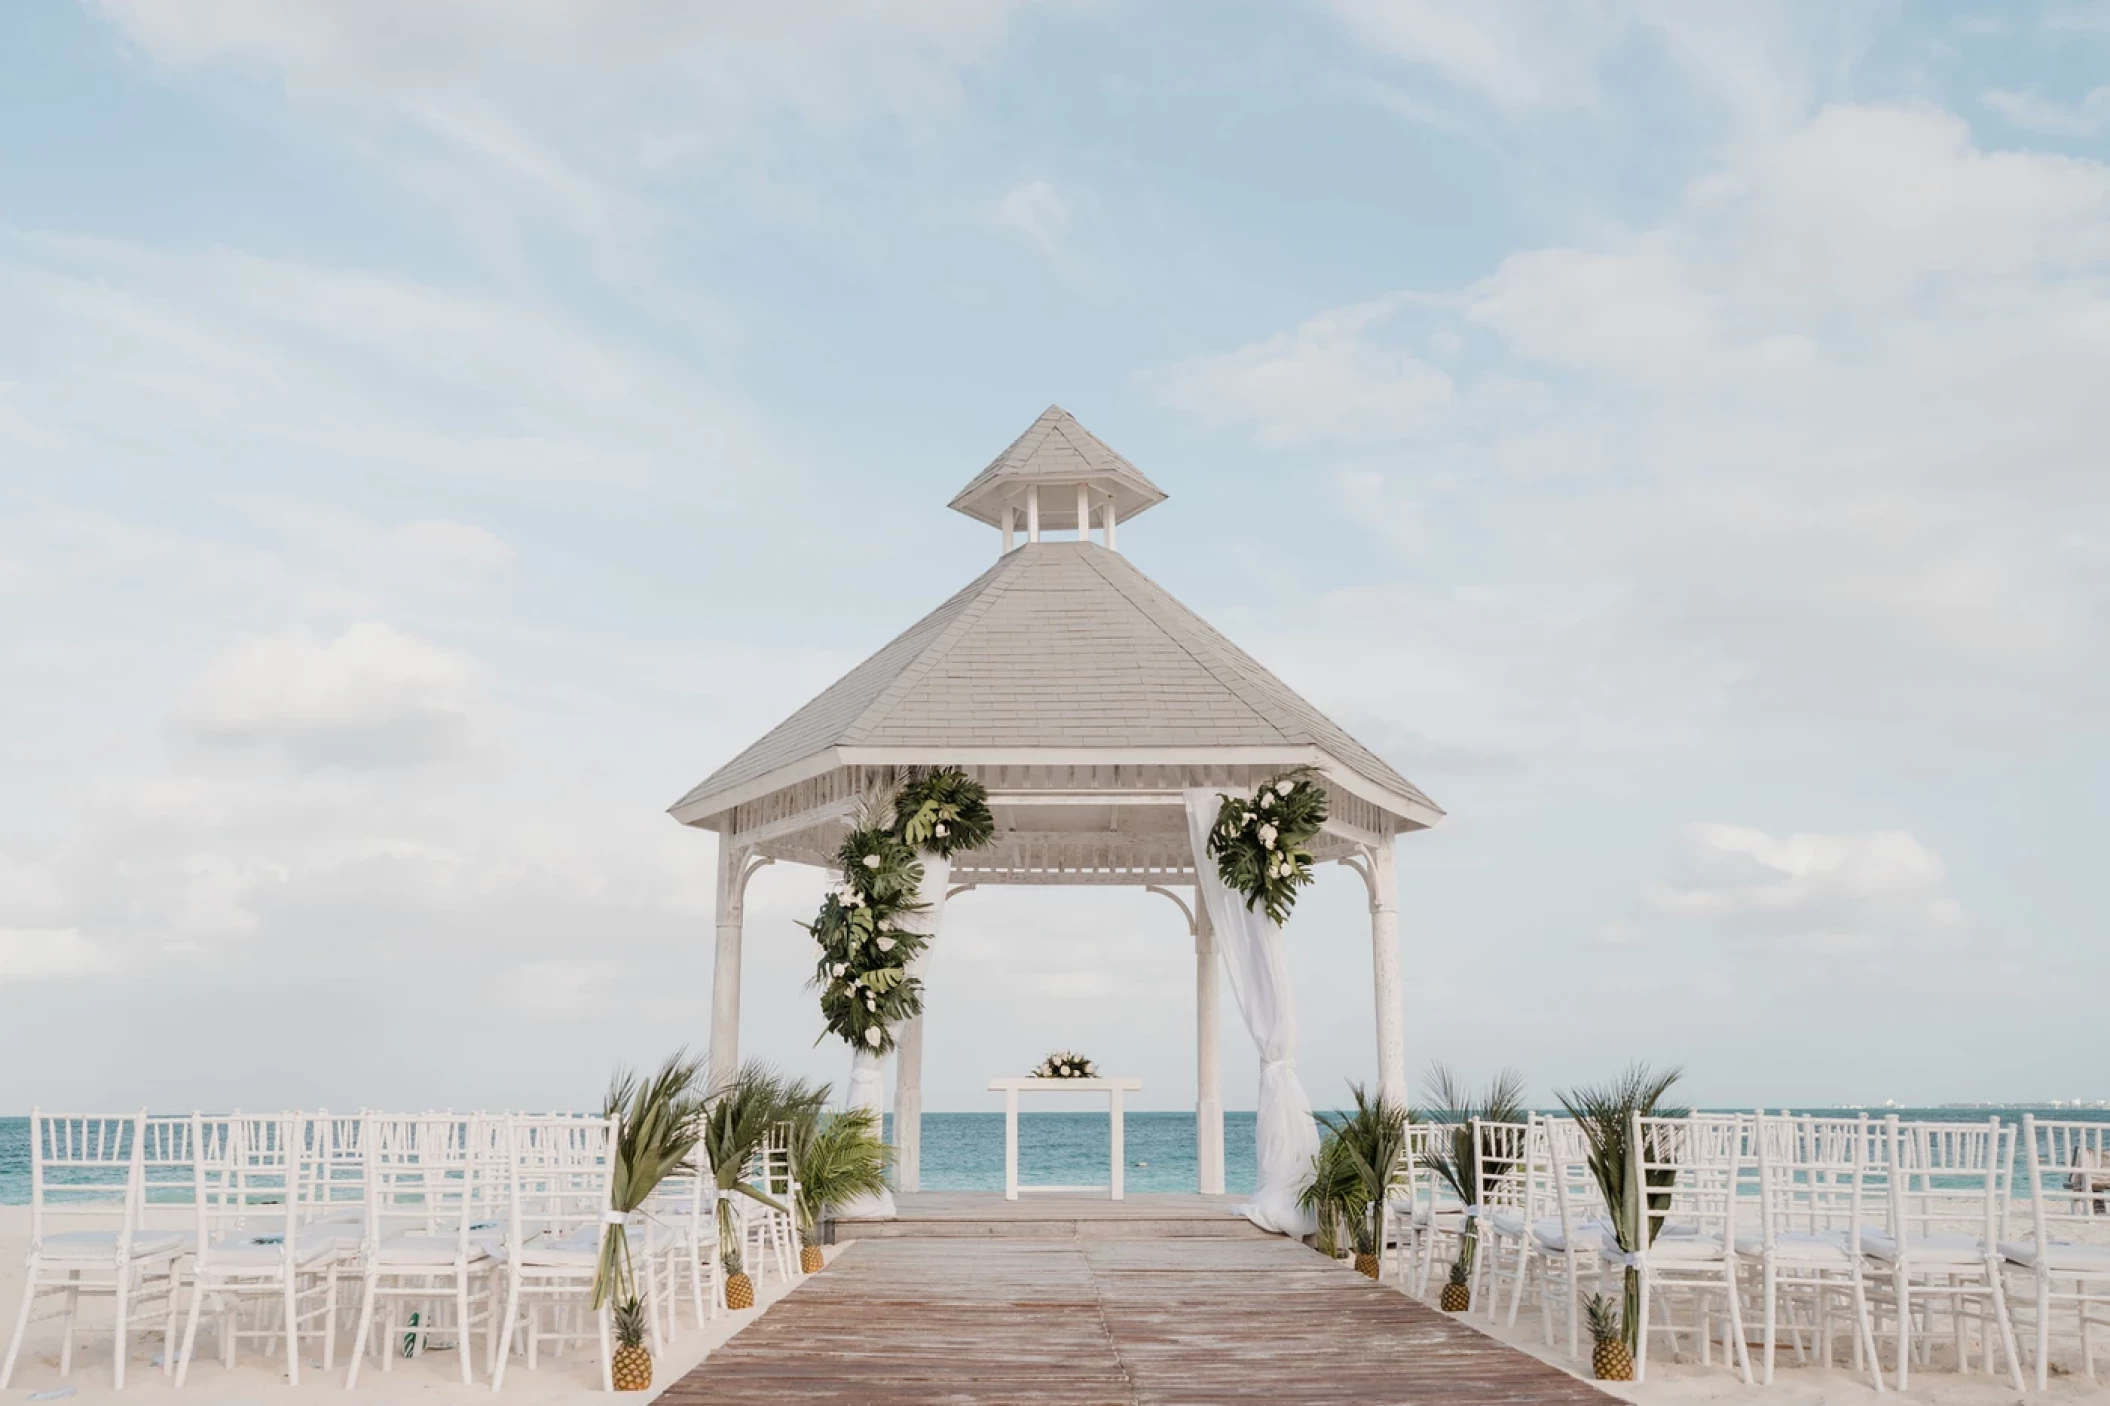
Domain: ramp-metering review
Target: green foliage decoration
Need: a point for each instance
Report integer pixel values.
(1607, 1114)
(1361, 1164)
(1458, 1161)
(865, 951)
(838, 1157)
(1259, 842)
(660, 1121)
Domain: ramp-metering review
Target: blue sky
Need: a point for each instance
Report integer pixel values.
(433, 436)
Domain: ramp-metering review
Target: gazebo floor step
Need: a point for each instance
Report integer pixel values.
(1038, 1229)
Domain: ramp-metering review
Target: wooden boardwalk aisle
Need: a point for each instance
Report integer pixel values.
(1109, 1323)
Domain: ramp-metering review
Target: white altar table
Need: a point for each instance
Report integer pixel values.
(1114, 1089)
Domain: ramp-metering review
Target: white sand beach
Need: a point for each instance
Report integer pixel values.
(1691, 1384)
(433, 1377)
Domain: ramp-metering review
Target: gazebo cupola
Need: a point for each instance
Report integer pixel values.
(1057, 477)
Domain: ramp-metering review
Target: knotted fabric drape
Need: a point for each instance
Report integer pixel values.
(867, 1070)
(1285, 1139)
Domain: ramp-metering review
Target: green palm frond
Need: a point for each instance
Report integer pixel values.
(839, 1157)
(660, 1121)
(1605, 1112)
(738, 1114)
(1360, 1163)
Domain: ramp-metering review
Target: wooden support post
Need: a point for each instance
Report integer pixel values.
(1110, 517)
(1010, 526)
(1032, 512)
(725, 973)
(1084, 512)
(1208, 1066)
(1384, 971)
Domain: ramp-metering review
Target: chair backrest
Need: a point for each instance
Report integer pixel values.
(333, 1171)
(1689, 1170)
(1814, 1175)
(249, 1168)
(1577, 1197)
(168, 1184)
(1501, 1172)
(562, 1173)
(85, 1172)
(421, 1176)
(2066, 1170)
(1949, 1178)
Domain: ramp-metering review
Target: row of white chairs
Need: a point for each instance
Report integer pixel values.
(407, 1231)
(1874, 1229)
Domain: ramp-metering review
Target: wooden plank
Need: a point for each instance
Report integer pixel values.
(1110, 1323)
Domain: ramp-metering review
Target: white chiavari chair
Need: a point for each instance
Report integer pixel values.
(422, 1196)
(562, 1171)
(683, 1215)
(1499, 1208)
(1691, 1169)
(2065, 1263)
(1938, 1252)
(769, 1233)
(168, 1205)
(1432, 1221)
(85, 1238)
(1570, 1242)
(1814, 1191)
(251, 1246)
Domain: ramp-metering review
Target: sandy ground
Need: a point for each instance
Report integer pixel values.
(433, 1377)
(1690, 1384)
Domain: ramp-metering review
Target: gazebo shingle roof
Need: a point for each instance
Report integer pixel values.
(1062, 646)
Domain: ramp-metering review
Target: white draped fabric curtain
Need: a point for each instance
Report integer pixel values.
(1285, 1137)
(868, 1070)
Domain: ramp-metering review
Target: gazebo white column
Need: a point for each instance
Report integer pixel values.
(736, 865)
(1208, 1063)
(908, 1039)
(1383, 880)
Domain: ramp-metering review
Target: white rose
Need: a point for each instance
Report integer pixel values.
(886, 944)
(840, 968)
(872, 1035)
(939, 828)
(870, 1004)
(871, 861)
(1267, 835)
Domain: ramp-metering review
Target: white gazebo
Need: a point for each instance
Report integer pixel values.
(1086, 699)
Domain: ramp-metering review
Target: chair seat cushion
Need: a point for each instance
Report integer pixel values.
(1590, 1235)
(2062, 1254)
(418, 1250)
(1822, 1249)
(1942, 1247)
(1506, 1221)
(102, 1244)
(1689, 1248)
(264, 1253)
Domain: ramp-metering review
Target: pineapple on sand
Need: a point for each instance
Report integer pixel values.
(1611, 1360)
(739, 1289)
(631, 1367)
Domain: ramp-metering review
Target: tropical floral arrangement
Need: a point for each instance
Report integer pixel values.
(1065, 1064)
(862, 973)
(1258, 843)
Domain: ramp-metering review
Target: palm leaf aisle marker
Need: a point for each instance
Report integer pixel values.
(1607, 1114)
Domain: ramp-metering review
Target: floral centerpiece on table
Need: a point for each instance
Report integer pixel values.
(1259, 843)
(1065, 1064)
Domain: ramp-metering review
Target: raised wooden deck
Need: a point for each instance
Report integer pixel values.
(1110, 1323)
(925, 1215)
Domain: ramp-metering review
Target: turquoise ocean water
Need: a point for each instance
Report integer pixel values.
(965, 1151)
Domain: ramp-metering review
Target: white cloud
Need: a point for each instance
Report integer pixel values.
(457, 545)
(372, 695)
(1841, 894)
(2033, 113)
(49, 954)
(1040, 216)
(1326, 380)
(1823, 444)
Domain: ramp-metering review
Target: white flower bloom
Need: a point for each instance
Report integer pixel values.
(872, 1035)
(839, 968)
(1267, 835)
(939, 828)
(871, 861)
(886, 944)
(870, 1004)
